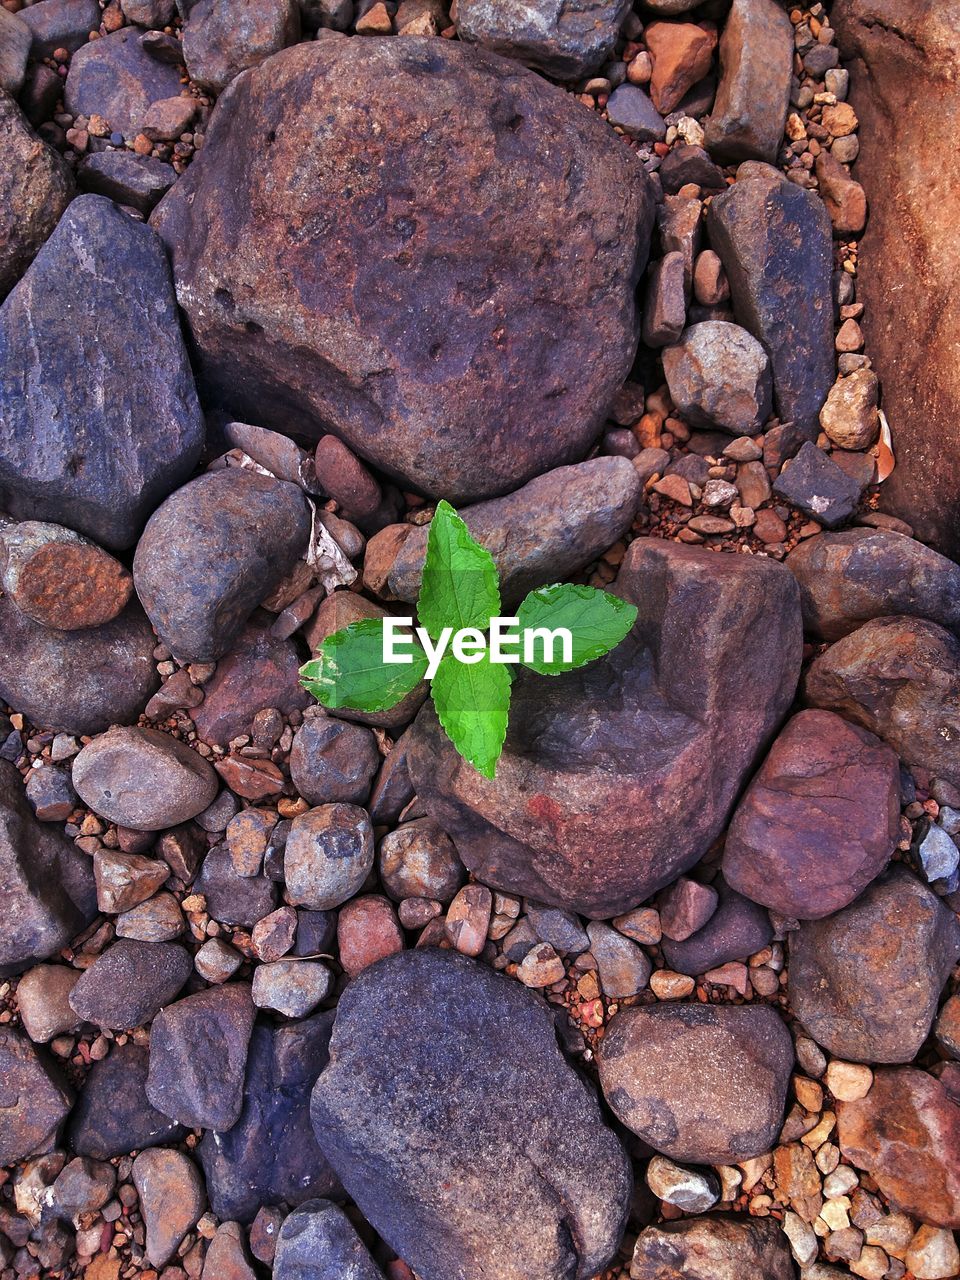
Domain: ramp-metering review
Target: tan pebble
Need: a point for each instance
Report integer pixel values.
(848, 1081)
(821, 1132)
(667, 985)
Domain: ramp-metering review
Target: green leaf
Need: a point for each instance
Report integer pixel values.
(472, 703)
(460, 586)
(596, 621)
(350, 671)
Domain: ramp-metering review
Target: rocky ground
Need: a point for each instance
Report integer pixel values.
(676, 994)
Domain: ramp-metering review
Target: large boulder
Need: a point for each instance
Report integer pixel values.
(617, 778)
(47, 892)
(720, 1247)
(35, 188)
(464, 241)
(460, 1131)
(568, 39)
(756, 58)
(99, 417)
(865, 983)
(890, 48)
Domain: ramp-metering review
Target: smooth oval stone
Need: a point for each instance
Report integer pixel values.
(130, 982)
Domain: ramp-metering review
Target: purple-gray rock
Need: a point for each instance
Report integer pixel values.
(470, 398)
(60, 24)
(270, 1156)
(233, 899)
(34, 1098)
(113, 1115)
(318, 1242)
(723, 1246)
(630, 109)
(460, 1131)
(665, 307)
(47, 893)
(686, 164)
(737, 929)
(212, 552)
(130, 982)
(719, 377)
(138, 181)
(198, 1057)
(99, 417)
(776, 245)
(753, 96)
(221, 38)
(813, 482)
(333, 761)
(116, 78)
(567, 40)
(15, 41)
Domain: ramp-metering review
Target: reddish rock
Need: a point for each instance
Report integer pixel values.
(756, 59)
(819, 821)
(438, 368)
(252, 779)
(845, 199)
(344, 477)
(259, 671)
(367, 930)
(171, 1199)
(685, 907)
(682, 54)
(906, 1134)
(61, 580)
(126, 879)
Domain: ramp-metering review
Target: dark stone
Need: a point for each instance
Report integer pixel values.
(629, 107)
(865, 982)
(616, 778)
(221, 38)
(756, 59)
(520, 335)
(60, 24)
(899, 678)
(47, 893)
(212, 552)
(393, 789)
(316, 932)
(233, 899)
(737, 929)
(130, 982)
(849, 578)
(333, 761)
(445, 1075)
(561, 929)
(821, 489)
(270, 1156)
(111, 423)
(198, 1057)
(116, 78)
(700, 1083)
(50, 793)
(776, 245)
(138, 181)
(567, 40)
(714, 1247)
(685, 164)
(34, 1098)
(113, 1116)
(318, 1242)
(819, 821)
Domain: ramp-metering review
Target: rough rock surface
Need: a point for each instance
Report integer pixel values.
(35, 188)
(851, 577)
(223, 37)
(60, 579)
(544, 532)
(819, 821)
(815, 483)
(776, 245)
(171, 1199)
(34, 1099)
(62, 24)
(15, 41)
(130, 982)
(713, 1248)
(566, 39)
(318, 1241)
(99, 418)
(602, 793)
(909, 178)
(906, 1134)
(47, 893)
(116, 78)
(333, 761)
(719, 376)
(212, 552)
(737, 929)
(521, 336)
(866, 981)
(756, 60)
(900, 678)
(143, 779)
(700, 1083)
(484, 1155)
(113, 1115)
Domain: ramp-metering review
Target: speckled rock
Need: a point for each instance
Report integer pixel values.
(333, 761)
(60, 579)
(113, 1115)
(34, 1098)
(737, 929)
(419, 860)
(700, 1083)
(171, 1199)
(328, 855)
(719, 376)
(720, 1247)
(756, 60)
(567, 40)
(116, 78)
(130, 982)
(99, 418)
(484, 1155)
(319, 1242)
(15, 41)
(221, 38)
(473, 399)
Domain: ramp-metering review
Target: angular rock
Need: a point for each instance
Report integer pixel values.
(560, 929)
(143, 779)
(319, 1241)
(469, 402)
(845, 199)
(99, 417)
(157, 920)
(149, 13)
(60, 24)
(665, 309)
(723, 1247)
(328, 855)
(813, 482)
(167, 119)
(418, 860)
(685, 907)
(849, 578)
(212, 552)
(686, 164)
(819, 821)
(865, 982)
(545, 532)
(233, 899)
(756, 60)
(198, 1057)
(34, 1099)
(719, 376)
(899, 677)
(126, 879)
(130, 982)
(47, 892)
(138, 181)
(171, 1199)
(776, 245)
(850, 417)
(221, 38)
(566, 40)
(270, 1156)
(59, 579)
(700, 1083)
(630, 109)
(84, 1186)
(291, 987)
(682, 55)
(691, 1190)
(623, 968)
(333, 761)
(113, 1115)
(597, 761)
(42, 998)
(15, 40)
(35, 187)
(116, 78)
(906, 1134)
(500, 1113)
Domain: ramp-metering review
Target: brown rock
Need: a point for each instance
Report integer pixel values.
(756, 58)
(221, 38)
(906, 1134)
(260, 671)
(171, 1199)
(685, 907)
(344, 477)
(125, 879)
(167, 119)
(247, 837)
(845, 199)
(159, 919)
(799, 1179)
(866, 981)
(467, 399)
(699, 1083)
(724, 1247)
(367, 930)
(252, 779)
(948, 1027)
(60, 579)
(849, 416)
(42, 999)
(468, 918)
(682, 55)
(819, 821)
